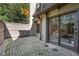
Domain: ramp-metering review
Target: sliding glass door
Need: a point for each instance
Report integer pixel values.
(61, 29)
(67, 29)
(54, 29)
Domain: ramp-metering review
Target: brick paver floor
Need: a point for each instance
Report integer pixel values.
(30, 46)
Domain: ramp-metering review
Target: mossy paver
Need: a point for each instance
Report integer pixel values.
(30, 46)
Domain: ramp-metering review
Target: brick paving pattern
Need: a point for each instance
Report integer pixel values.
(31, 46)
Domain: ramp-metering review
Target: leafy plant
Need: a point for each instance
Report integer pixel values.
(18, 13)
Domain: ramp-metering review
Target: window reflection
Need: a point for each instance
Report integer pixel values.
(54, 29)
(67, 28)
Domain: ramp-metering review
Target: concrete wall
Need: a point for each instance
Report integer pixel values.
(33, 30)
(43, 33)
(15, 30)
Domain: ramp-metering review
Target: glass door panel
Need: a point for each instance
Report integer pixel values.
(67, 29)
(54, 29)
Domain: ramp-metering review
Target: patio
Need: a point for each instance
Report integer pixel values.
(31, 46)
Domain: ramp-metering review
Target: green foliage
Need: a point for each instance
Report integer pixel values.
(13, 12)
